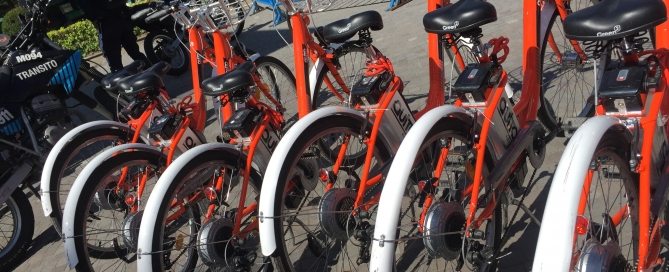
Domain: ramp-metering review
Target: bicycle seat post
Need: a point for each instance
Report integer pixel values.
(366, 37)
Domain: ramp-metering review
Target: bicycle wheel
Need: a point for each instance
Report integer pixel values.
(280, 84)
(16, 228)
(350, 60)
(317, 231)
(435, 205)
(77, 152)
(106, 214)
(607, 224)
(567, 77)
(185, 202)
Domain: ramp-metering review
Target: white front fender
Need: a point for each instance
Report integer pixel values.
(554, 246)
(269, 184)
(383, 253)
(76, 190)
(56, 155)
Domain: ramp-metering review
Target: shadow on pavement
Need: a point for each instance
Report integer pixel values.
(522, 249)
(45, 238)
(271, 40)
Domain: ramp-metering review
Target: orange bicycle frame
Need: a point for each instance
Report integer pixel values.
(525, 110)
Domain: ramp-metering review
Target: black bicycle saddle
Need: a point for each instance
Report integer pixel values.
(344, 29)
(459, 17)
(614, 19)
(234, 82)
(110, 82)
(149, 80)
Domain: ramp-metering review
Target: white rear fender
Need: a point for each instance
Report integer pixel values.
(386, 225)
(276, 163)
(56, 155)
(554, 246)
(151, 210)
(77, 188)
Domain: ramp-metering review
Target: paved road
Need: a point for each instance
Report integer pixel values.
(404, 41)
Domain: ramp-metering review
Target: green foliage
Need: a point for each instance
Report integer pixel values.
(139, 2)
(81, 35)
(138, 31)
(11, 23)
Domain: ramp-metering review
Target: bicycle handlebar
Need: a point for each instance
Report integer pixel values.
(157, 15)
(202, 15)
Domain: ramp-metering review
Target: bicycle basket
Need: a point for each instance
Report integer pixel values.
(224, 13)
(312, 6)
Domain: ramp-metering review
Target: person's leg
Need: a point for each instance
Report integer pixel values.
(111, 48)
(129, 42)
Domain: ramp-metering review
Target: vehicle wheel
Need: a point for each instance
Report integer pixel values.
(16, 228)
(567, 81)
(316, 231)
(604, 230)
(444, 168)
(185, 204)
(160, 46)
(107, 215)
(72, 159)
(350, 61)
(280, 85)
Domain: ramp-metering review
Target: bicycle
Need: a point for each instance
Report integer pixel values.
(116, 182)
(314, 223)
(205, 199)
(612, 207)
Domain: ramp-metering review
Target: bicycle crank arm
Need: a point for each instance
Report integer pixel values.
(517, 148)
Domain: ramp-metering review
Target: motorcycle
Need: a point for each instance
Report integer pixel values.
(37, 77)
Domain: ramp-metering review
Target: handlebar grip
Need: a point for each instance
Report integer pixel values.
(157, 16)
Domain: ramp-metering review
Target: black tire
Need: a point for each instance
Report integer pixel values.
(412, 250)
(160, 46)
(555, 109)
(94, 255)
(611, 169)
(350, 59)
(18, 208)
(220, 158)
(84, 146)
(281, 81)
(303, 158)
